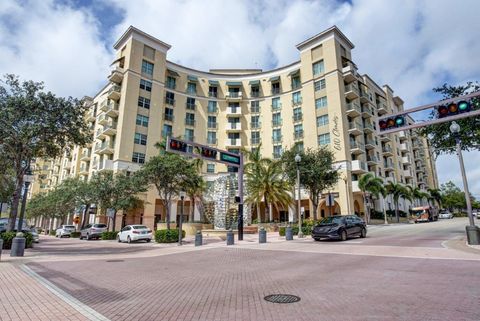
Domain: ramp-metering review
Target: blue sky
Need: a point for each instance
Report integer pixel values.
(411, 45)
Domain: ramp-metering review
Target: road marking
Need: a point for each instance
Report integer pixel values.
(85, 310)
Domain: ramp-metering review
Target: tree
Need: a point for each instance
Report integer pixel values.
(452, 196)
(397, 191)
(83, 193)
(7, 181)
(417, 194)
(35, 123)
(254, 163)
(267, 182)
(195, 186)
(169, 173)
(368, 183)
(316, 171)
(439, 135)
(436, 195)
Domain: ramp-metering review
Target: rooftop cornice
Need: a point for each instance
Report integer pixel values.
(145, 37)
(324, 34)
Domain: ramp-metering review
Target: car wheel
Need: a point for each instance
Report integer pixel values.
(363, 233)
(316, 239)
(148, 240)
(81, 237)
(118, 239)
(129, 240)
(343, 235)
(88, 237)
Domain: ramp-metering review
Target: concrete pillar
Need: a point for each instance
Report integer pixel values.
(291, 214)
(196, 213)
(173, 211)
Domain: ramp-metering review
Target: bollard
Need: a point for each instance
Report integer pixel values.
(288, 233)
(18, 245)
(1, 247)
(198, 238)
(262, 235)
(230, 239)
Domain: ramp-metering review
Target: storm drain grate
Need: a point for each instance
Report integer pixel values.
(114, 261)
(282, 298)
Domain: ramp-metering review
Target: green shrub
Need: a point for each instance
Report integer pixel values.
(167, 236)
(75, 234)
(39, 230)
(307, 230)
(109, 235)
(460, 214)
(376, 215)
(8, 237)
(52, 233)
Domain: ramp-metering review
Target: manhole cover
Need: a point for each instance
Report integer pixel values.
(282, 298)
(114, 260)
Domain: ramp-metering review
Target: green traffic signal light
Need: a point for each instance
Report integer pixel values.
(463, 106)
(399, 121)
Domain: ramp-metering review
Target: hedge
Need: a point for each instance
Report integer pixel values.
(109, 235)
(167, 236)
(307, 230)
(75, 234)
(52, 233)
(8, 237)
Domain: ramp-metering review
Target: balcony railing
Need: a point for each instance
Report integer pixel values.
(168, 117)
(276, 123)
(212, 125)
(275, 91)
(255, 125)
(212, 141)
(297, 117)
(277, 139)
(298, 134)
(255, 141)
(297, 101)
(276, 107)
(254, 94)
(213, 94)
(189, 122)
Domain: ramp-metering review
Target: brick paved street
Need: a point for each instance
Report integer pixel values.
(411, 277)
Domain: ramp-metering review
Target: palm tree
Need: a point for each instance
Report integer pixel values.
(252, 167)
(265, 182)
(436, 195)
(397, 191)
(374, 186)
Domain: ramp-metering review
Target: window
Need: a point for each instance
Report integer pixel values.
(210, 168)
(212, 91)
(148, 52)
(171, 82)
(167, 130)
(255, 106)
(147, 68)
(170, 98)
(277, 151)
(276, 103)
(318, 68)
(322, 120)
(142, 120)
(143, 102)
(298, 131)
(168, 114)
(319, 84)
(255, 138)
(212, 122)
(277, 135)
(297, 98)
(321, 102)
(299, 147)
(211, 137)
(296, 82)
(297, 114)
(323, 139)
(275, 88)
(189, 134)
(190, 119)
(192, 88)
(138, 158)
(255, 122)
(255, 91)
(212, 106)
(276, 120)
(190, 103)
(140, 139)
(145, 85)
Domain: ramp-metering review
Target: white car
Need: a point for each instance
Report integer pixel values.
(64, 230)
(131, 233)
(445, 214)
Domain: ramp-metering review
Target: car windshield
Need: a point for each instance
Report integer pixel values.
(418, 212)
(69, 226)
(100, 225)
(332, 220)
(140, 227)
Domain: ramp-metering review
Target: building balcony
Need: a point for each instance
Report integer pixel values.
(420, 169)
(349, 72)
(298, 134)
(234, 111)
(364, 97)
(212, 125)
(372, 160)
(255, 125)
(85, 156)
(297, 117)
(168, 117)
(116, 75)
(388, 165)
(254, 94)
(277, 107)
(233, 143)
(169, 101)
(368, 127)
(233, 96)
(355, 188)
(402, 135)
(359, 167)
(407, 173)
(107, 130)
(370, 144)
(189, 122)
(404, 147)
(385, 138)
(406, 160)
(190, 106)
(90, 117)
(367, 111)
(114, 92)
(277, 139)
(353, 109)
(105, 165)
(276, 123)
(357, 148)
(104, 148)
(232, 127)
(418, 156)
(213, 94)
(355, 128)
(387, 151)
(103, 119)
(212, 141)
(389, 179)
(351, 91)
(83, 170)
(296, 102)
(381, 108)
(255, 141)
(275, 91)
(67, 165)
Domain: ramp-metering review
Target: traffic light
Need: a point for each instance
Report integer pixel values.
(209, 153)
(453, 109)
(177, 145)
(392, 122)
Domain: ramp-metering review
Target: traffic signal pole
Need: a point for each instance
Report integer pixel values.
(240, 204)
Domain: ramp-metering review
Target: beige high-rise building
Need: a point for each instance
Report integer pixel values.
(318, 100)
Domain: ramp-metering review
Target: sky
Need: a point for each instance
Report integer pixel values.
(411, 45)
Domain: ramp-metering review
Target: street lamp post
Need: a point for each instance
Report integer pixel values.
(27, 179)
(298, 159)
(473, 232)
(180, 220)
(345, 179)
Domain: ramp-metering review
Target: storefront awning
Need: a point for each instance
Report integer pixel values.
(214, 82)
(192, 78)
(254, 82)
(276, 78)
(234, 83)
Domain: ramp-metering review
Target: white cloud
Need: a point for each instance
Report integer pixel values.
(411, 45)
(41, 40)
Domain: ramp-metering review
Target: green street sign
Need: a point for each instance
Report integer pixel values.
(230, 158)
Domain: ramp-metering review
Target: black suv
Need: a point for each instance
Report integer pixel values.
(339, 227)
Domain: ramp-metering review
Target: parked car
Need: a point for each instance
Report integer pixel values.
(445, 214)
(339, 227)
(132, 233)
(92, 231)
(4, 225)
(35, 236)
(64, 230)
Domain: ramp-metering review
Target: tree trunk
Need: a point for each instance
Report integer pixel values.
(315, 209)
(270, 213)
(192, 209)
(396, 211)
(167, 217)
(15, 202)
(267, 207)
(365, 207)
(259, 220)
(85, 215)
(114, 220)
